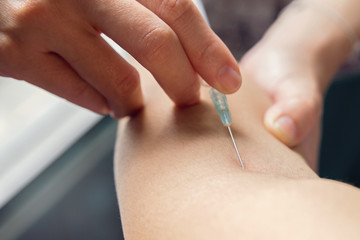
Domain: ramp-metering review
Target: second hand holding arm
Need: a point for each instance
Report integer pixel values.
(296, 67)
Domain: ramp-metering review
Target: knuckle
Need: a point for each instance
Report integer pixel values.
(127, 83)
(79, 91)
(30, 19)
(157, 45)
(176, 9)
(31, 23)
(208, 50)
(315, 105)
(5, 48)
(33, 12)
(312, 107)
(9, 56)
(189, 91)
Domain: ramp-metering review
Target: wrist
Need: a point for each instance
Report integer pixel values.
(315, 37)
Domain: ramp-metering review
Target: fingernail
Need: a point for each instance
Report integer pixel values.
(286, 129)
(229, 79)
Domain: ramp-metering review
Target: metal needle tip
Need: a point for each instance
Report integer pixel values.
(236, 149)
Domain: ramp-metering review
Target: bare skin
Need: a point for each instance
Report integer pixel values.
(297, 58)
(57, 46)
(178, 177)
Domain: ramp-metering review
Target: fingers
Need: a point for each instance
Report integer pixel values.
(294, 114)
(166, 44)
(53, 74)
(207, 53)
(152, 42)
(97, 63)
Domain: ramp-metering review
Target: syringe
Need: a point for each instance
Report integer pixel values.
(222, 108)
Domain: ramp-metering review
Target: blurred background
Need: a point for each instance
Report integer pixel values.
(72, 196)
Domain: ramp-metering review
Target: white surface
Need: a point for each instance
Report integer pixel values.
(36, 127)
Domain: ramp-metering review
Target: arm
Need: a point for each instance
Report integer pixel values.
(177, 177)
(298, 57)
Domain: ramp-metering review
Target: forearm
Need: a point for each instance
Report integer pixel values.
(348, 9)
(192, 132)
(177, 177)
(325, 29)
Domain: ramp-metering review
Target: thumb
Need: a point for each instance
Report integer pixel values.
(291, 118)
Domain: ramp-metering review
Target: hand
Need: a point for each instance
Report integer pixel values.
(295, 68)
(294, 116)
(291, 82)
(57, 46)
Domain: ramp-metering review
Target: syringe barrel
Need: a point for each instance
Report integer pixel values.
(221, 106)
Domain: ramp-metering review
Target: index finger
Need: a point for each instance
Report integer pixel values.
(207, 53)
(151, 42)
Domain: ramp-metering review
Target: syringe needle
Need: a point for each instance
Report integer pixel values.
(222, 108)
(236, 149)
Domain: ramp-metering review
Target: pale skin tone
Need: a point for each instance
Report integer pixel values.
(57, 46)
(177, 176)
(297, 58)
